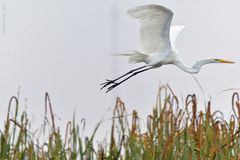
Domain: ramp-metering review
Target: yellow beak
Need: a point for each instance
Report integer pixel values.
(224, 61)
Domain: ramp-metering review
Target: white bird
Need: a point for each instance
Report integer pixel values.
(158, 44)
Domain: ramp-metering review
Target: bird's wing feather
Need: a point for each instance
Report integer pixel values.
(155, 23)
(174, 32)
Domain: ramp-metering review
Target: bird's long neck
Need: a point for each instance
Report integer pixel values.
(195, 68)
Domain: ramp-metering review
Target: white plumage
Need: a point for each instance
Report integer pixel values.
(155, 23)
(174, 32)
(157, 39)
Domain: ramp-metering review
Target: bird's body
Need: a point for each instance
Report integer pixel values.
(157, 38)
(155, 35)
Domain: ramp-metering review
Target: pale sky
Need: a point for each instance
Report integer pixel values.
(64, 47)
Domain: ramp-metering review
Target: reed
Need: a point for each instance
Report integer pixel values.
(173, 130)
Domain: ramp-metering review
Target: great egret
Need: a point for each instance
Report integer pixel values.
(158, 44)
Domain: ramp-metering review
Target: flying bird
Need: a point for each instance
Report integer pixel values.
(157, 38)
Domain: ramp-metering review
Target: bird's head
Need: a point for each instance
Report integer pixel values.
(197, 66)
(216, 60)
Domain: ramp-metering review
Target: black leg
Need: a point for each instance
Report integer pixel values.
(115, 84)
(108, 82)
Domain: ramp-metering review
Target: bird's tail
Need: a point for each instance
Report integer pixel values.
(134, 56)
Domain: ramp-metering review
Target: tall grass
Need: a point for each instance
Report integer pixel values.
(173, 131)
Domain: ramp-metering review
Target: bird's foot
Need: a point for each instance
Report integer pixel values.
(112, 86)
(108, 82)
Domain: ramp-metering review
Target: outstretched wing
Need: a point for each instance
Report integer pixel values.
(155, 23)
(174, 32)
